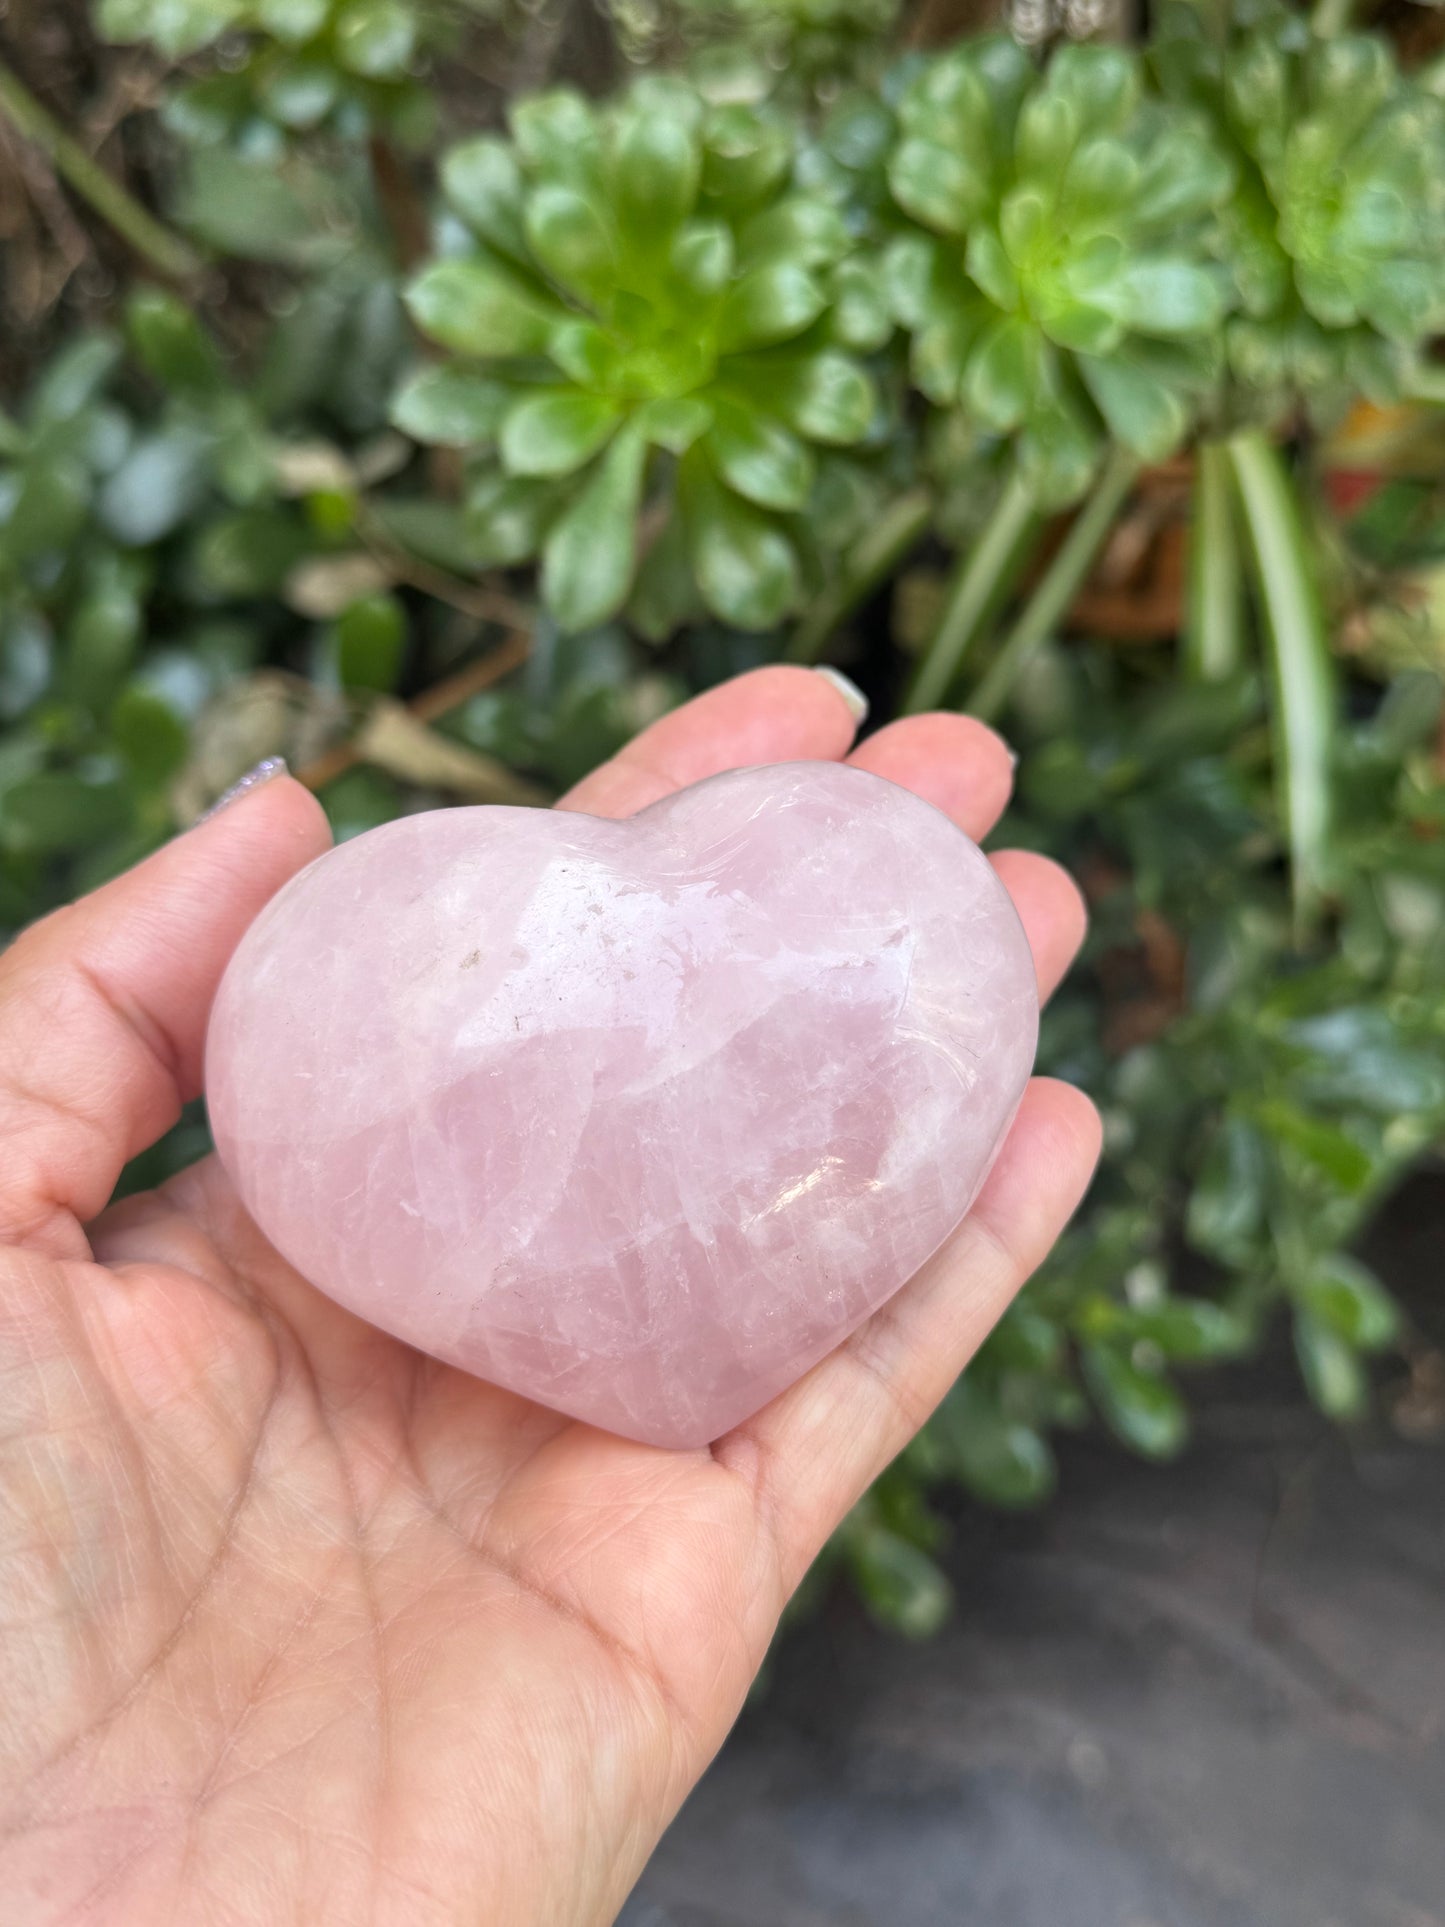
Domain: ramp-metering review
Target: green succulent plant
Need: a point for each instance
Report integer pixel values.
(306, 61)
(1056, 284)
(1335, 236)
(804, 40)
(650, 355)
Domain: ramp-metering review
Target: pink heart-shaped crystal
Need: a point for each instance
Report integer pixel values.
(636, 1118)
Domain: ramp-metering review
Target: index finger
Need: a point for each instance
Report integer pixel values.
(782, 714)
(103, 1009)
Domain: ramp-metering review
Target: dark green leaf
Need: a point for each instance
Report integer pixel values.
(900, 1583)
(149, 733)
(1227, 1204)
(249, 553)
(1340, 1293)
(370, 643)
(1144, 1409)
(57, 811)
(171, 344)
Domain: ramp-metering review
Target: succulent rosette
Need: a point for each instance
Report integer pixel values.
(1335, 237)
(649, 358)
(304, 62)
(1057, 284)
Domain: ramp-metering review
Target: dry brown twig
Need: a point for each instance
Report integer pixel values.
(444, 696)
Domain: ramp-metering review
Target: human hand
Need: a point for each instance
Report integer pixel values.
(298, 1624)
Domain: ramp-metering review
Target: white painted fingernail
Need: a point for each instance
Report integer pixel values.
(268, 767)
(850, 692)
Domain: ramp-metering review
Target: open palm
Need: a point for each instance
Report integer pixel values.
(297, 1624)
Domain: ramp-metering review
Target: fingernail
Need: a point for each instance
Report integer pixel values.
(850, 692)
(268, 767)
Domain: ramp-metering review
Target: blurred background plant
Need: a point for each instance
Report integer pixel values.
(434, 393)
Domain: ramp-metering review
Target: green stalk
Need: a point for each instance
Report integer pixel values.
(1049, 603)
(984, 576)
(1214, 614)
(1301, 671)
(165, 252)
(874, 557)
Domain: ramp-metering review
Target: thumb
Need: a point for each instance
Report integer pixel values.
(103, 1008)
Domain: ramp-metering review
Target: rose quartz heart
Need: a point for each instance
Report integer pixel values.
(636, 1118)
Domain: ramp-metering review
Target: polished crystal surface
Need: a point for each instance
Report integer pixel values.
(641, 1118)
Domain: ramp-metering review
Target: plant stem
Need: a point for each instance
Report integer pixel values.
(1049, 603)
(875, 556)
(982, 579)
(401, 206)
(167, 253)
(1301, 670)
(433, 703)
(1214, 625)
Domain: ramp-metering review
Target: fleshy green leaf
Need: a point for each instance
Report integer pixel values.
(935, 186)
(589, 558)
(825, 397)
(746, 567)
(656, 170)
(451, 406)
(770, 304)
(556, 431)
(483, 183)
(759, 458)
(1004, 372)
(476, 307)
(376, 38)
(1143, 412)
(703, 257)
(569, 236)
(1169, 297)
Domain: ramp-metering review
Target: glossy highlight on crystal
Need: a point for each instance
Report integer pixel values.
(638, 1119)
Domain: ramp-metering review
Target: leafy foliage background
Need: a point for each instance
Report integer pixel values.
(434, 392)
